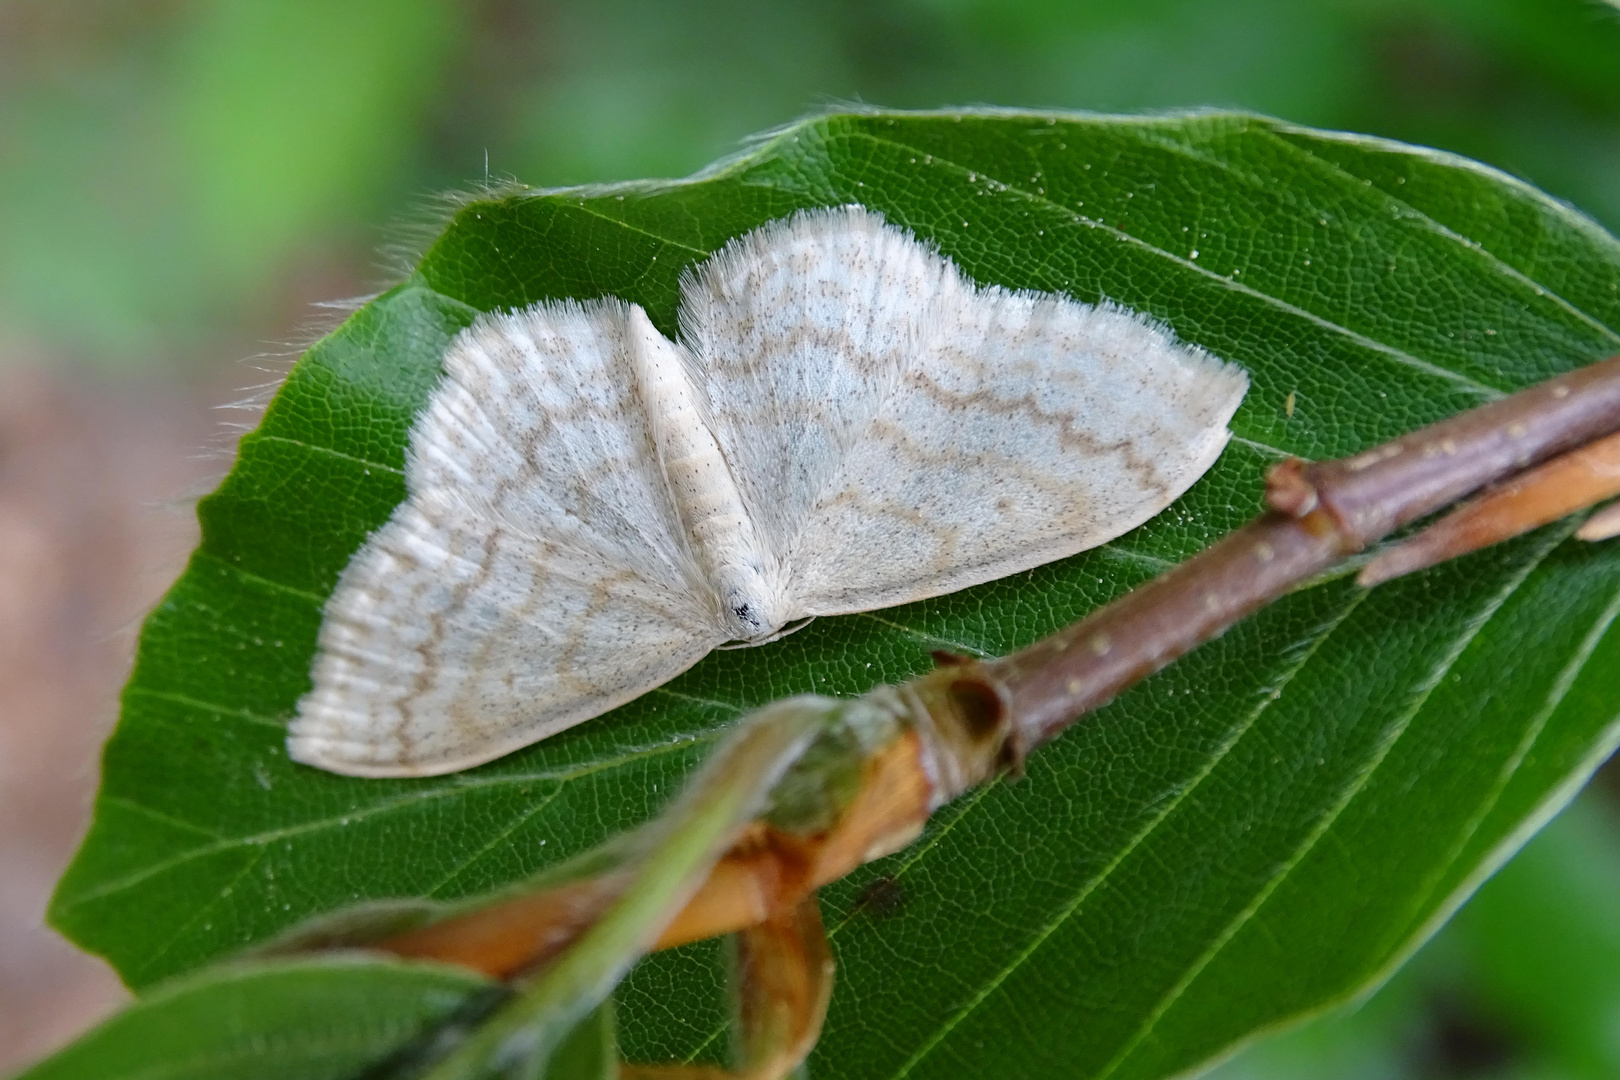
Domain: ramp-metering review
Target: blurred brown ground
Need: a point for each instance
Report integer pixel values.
(97, 484)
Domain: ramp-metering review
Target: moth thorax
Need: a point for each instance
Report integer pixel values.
(711, 510)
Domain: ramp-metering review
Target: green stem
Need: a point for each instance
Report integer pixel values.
(680, 848)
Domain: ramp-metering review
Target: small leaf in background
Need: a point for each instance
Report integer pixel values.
(1261, 831)
(1546, 935)
(312, 1019)
(1525, 982)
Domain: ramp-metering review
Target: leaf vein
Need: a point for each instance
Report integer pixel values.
(728, 706)
(225, 890)
(248, 575)
(158, 815)
(328, 451)
(512, 827)
(1264, 449)
(461, 786)
(586, 208)
(922, 635)
(136, 690)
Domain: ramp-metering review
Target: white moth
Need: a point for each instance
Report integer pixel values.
(847, 423)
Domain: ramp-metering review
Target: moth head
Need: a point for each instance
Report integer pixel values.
(751, 608)
(745, 618)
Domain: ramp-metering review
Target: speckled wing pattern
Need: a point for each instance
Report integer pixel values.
(848, 423)
(536, 575)
(926, 434)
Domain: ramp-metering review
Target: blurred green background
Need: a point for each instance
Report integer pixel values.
(174, 173)
(180, 179)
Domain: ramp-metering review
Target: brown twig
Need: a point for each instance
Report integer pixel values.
(1322, 513)
(1603, 525)
(1567, 483)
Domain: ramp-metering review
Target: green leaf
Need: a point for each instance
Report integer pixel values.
(1262, 830)
(309, 1019)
